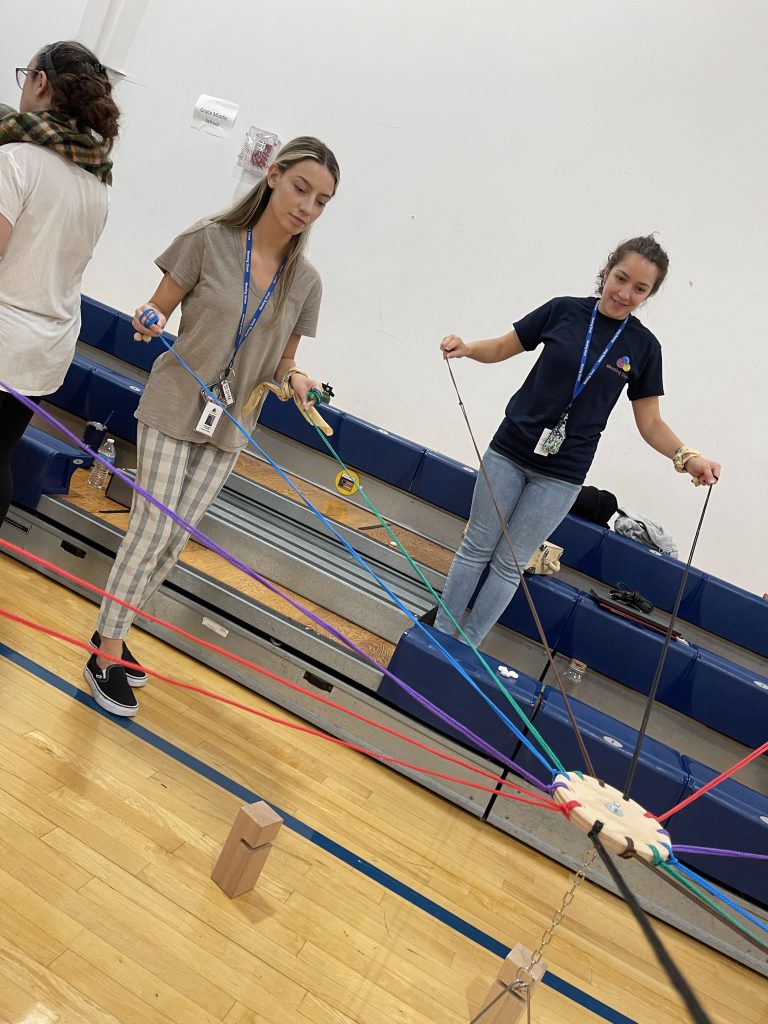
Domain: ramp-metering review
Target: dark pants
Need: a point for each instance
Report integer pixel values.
(14, 420)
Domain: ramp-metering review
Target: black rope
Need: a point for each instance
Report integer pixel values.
(513, 988)
(663, 657)
(526, 590)
(692, 1004)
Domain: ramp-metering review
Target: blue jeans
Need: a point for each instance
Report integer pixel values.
(532, 505)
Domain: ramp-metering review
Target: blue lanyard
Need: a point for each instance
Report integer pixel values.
(579, 386)
(240, 337)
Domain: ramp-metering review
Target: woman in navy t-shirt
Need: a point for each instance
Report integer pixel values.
(544, 447)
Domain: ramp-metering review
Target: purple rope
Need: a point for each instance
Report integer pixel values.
(207, 542)
(720, 853)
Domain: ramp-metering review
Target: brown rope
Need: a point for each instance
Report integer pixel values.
(524, 584)
(670, 880)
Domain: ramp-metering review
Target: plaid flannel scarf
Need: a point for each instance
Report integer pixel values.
(64, 135)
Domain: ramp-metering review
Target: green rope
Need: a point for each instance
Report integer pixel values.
(700, 894)
(372, 507)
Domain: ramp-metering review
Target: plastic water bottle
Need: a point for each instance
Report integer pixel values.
(99, 474)
(575, 673)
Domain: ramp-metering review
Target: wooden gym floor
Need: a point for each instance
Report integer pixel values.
(109, 832)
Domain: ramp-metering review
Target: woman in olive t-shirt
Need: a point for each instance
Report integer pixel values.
(185, 449)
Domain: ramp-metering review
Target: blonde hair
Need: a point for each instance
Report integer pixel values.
(248, 210)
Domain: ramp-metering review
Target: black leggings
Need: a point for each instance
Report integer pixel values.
(14, 420)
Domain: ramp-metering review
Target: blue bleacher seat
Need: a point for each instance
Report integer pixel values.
(730, 816)
(657, 577)
(555, 602)
(72, 394)
(93, 392)
(285, 418)
(111, 394)
(580, 540)
(377, 452)
(624, 651)
(419, 663)
(445, 483)
(97, 322)
(732, 613)
(701, 685)
(724, 696)
(42, 464)
(660, 778)
(708, 602)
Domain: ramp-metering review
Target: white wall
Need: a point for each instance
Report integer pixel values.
(491, 153)
(20, 35)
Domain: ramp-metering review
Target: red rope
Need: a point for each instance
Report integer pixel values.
(253, 666)
(540, 802)
(273, 718)
(713, 782)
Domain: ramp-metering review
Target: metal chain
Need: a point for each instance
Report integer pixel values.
(523, 980)
(558, 916)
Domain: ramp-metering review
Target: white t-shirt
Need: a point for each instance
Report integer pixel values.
(58, 211)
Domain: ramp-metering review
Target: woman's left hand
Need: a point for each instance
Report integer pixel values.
(302, 385)
(703, 471)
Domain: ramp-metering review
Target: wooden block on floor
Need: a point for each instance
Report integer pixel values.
(246, 849)
(257, 824)
(509, 1007)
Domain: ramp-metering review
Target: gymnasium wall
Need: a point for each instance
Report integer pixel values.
(492, 152)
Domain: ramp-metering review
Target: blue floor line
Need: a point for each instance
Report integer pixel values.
(394, 885)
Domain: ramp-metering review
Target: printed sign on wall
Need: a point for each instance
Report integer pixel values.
(214, 116)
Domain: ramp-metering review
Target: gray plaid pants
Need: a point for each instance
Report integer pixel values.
(184, 475)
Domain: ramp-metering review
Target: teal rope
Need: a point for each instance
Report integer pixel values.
(714, 891)
(361, 561)
(371, 505)
(701, 895)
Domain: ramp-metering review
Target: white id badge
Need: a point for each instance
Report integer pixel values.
(539, 449)
(210, 417)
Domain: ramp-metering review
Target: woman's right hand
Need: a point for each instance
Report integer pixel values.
(144, 333)
(453, 347)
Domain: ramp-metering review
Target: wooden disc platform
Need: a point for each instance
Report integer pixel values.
(627, 828)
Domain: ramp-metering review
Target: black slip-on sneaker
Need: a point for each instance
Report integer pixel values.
(136, 676)
(110, 688)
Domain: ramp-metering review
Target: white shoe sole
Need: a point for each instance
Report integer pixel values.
(136, 682)
(105, 702)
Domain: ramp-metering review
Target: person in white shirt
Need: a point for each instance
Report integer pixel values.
(54, 173)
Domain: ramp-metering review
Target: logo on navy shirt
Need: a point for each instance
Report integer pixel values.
(621, 367)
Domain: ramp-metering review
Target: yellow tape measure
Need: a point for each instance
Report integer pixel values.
(347, 482)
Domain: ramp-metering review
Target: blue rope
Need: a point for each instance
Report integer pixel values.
(433, 593)
(361, 561)
(713, 891)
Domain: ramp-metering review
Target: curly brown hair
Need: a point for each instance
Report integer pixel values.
(81, 88)
(645, 246)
